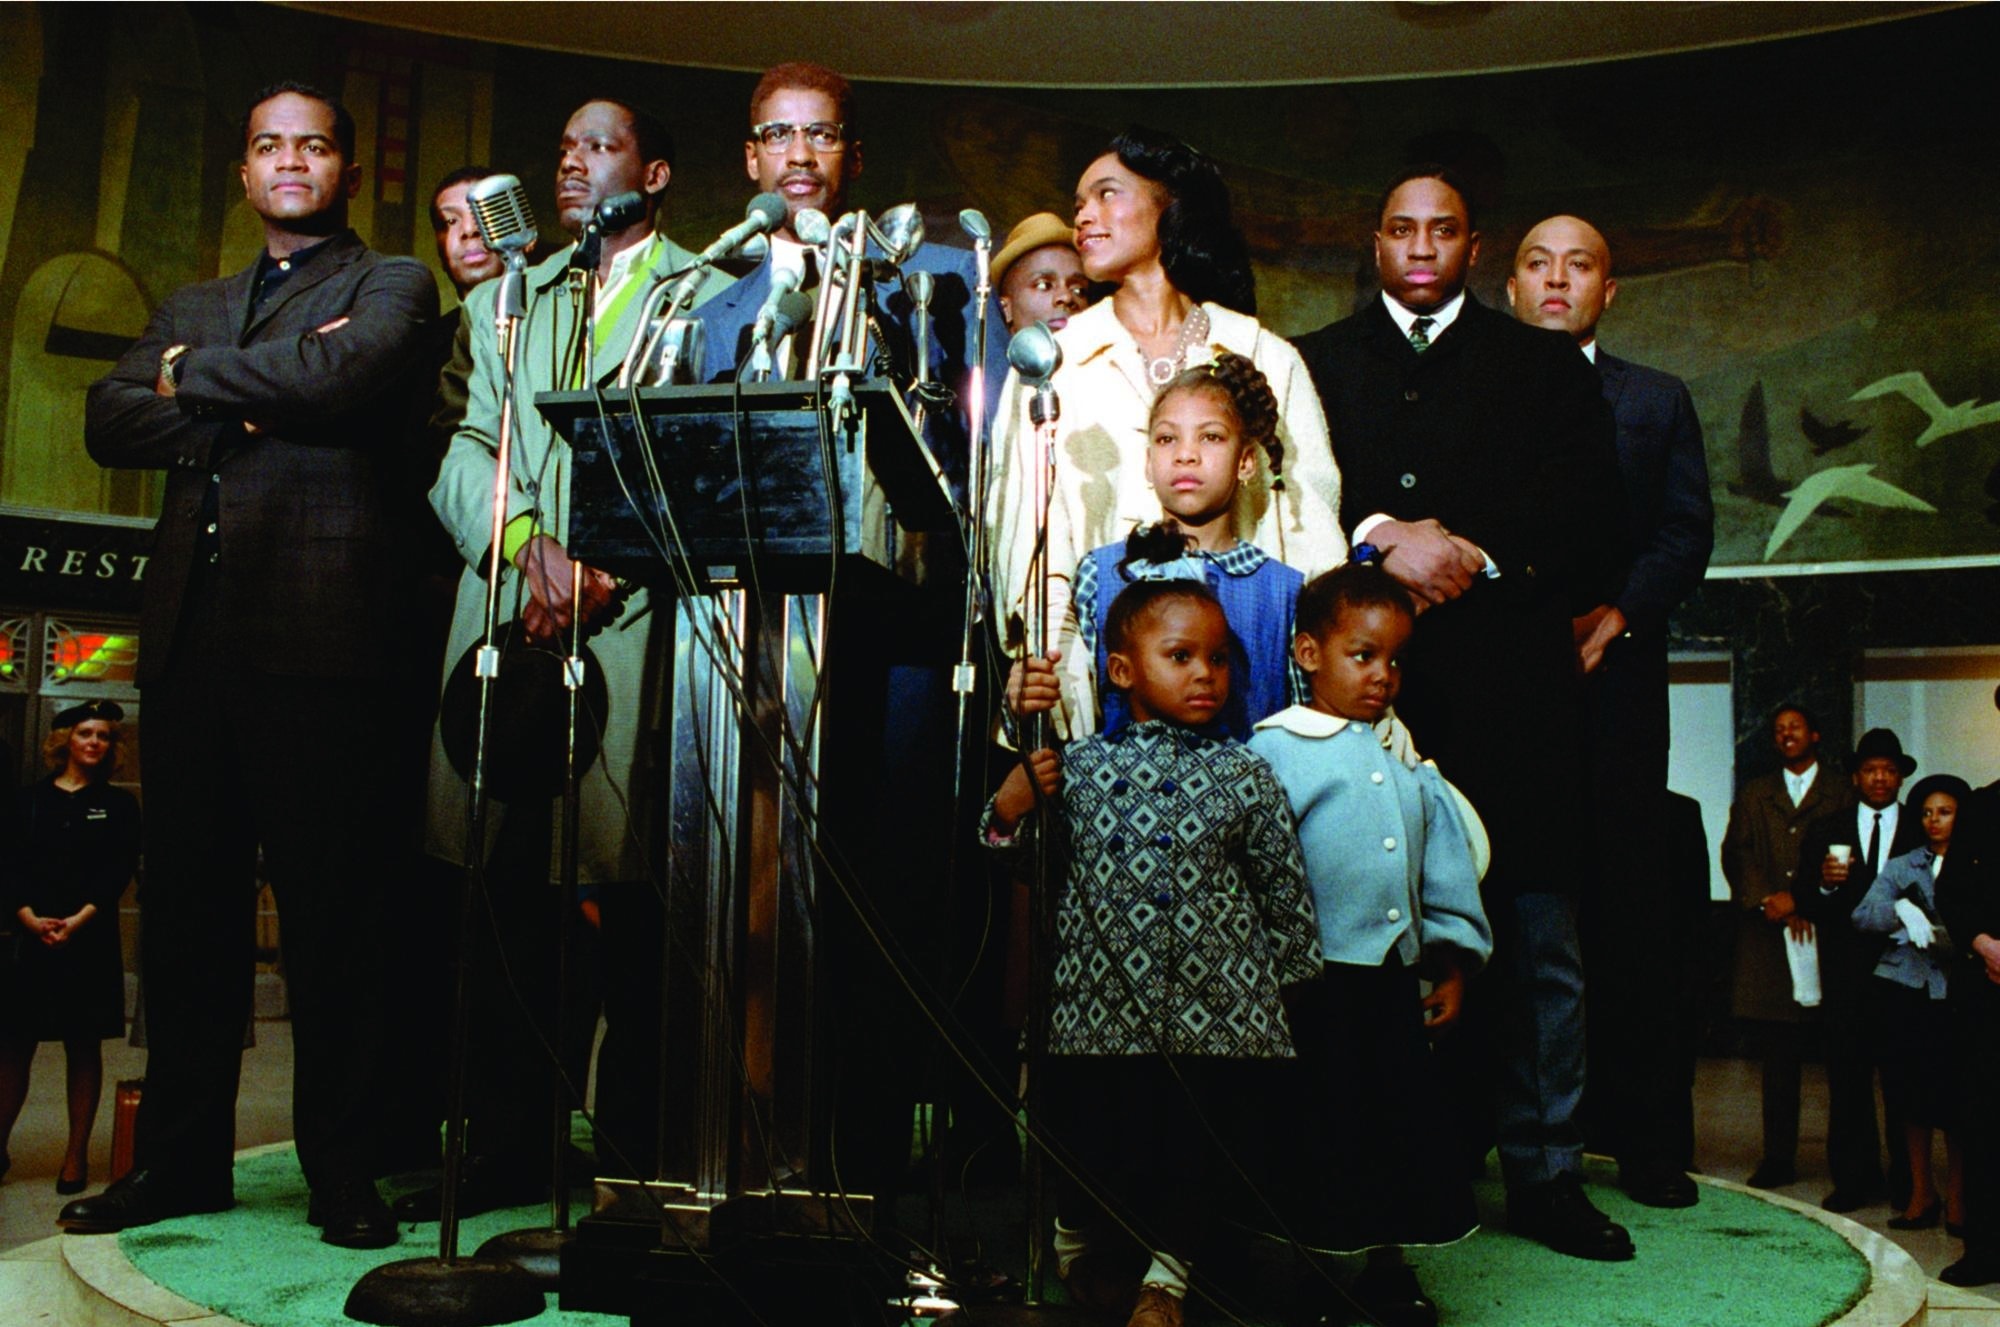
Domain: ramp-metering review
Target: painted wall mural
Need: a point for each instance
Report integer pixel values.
(1808, 231)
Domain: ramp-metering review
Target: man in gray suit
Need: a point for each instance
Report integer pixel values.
(1639, 933)
(276, 400)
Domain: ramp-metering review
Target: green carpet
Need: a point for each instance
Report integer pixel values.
(1731, 1261)
(260, 1263)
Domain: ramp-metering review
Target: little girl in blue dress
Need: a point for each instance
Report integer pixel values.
(1207, 426)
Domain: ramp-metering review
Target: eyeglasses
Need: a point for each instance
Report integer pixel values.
(776, 135)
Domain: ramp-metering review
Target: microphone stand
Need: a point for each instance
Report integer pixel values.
(451, 1291)
(1043, 412)
(537, 1250)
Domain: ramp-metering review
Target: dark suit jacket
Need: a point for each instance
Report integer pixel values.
(1845, 954)
(1501, 432)
(1670, 531)
(307, 554)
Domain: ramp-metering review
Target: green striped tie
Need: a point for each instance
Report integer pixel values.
(1420, 339)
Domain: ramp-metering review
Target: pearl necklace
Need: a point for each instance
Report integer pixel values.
(1165, 368)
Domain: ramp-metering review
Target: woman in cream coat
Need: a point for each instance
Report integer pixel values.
(1152, 218)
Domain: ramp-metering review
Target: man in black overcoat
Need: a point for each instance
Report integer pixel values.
(1636, 941)
(276, 400)
(1477, 464)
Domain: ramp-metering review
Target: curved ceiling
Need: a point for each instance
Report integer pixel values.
(996, 43)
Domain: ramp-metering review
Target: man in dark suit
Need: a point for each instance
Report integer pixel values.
(895, 725)
(804, 145)
(1476, 462)
(1845, 852)
(1636, 1105)
(275, 399)
(1768, 825)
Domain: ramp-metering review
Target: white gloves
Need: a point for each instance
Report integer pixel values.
(1915, 923)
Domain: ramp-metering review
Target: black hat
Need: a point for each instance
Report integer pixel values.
(528, 743)
(1880, 743)
(108, 710)
(1937, 783)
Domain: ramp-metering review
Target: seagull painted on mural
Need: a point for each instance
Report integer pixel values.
(1945, 419)
(1852, 482)
(1827, 435)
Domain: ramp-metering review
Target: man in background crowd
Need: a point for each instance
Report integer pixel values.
(1760, 858)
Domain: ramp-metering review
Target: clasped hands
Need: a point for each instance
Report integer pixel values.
(1428, 560)
(54, 932)
(549, 571)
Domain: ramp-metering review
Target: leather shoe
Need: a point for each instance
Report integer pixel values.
(351, 1215)
(1923, 1220)
(1844, 1201)
(1559, 1215)
(1974, 1269)
(1657, 1184)
(1768, 1176)
(484, 1185)
(1391, 1295)
(140, 1199)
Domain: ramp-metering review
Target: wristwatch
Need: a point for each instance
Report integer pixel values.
(170, 365)
(1367, 555)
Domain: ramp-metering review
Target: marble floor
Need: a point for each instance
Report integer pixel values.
(30, 1275)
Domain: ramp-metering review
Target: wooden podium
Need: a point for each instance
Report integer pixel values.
(754, 517)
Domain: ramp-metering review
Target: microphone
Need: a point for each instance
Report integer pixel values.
(500, 207)
(764, 333)
(900, 232)
(811, 226)
(616, 213)
(792, 310)
(919, 286)
(973, 222)
(765, 213)
(1034, 354)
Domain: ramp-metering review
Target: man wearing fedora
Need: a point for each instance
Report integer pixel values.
(1844, 852)
(1039, 275)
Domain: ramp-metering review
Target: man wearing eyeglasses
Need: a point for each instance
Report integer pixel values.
(896, 717)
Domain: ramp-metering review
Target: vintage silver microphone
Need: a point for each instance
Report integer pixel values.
(899, 232)
(507, 224)
(1034, 355)
(766, 213)
(919, 286)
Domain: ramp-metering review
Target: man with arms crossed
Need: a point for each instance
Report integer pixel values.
(275, 399)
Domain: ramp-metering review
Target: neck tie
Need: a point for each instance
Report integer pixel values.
(1420, 338)
(1875, 845)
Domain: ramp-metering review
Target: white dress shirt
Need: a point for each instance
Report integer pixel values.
(1798, 785)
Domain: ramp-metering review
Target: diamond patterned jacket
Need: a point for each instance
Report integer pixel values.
(1185, 906)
